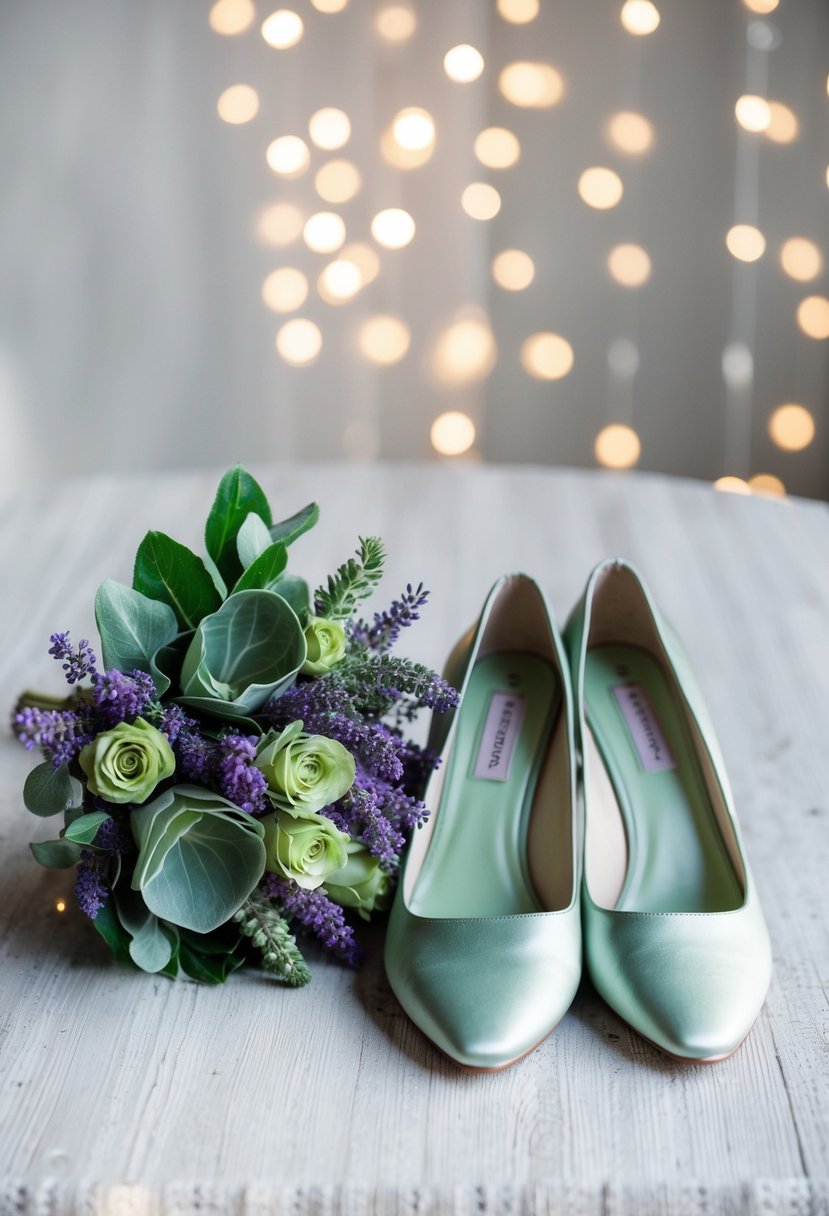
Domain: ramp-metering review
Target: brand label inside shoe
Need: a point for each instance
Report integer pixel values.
(645, 731)
(501, 730)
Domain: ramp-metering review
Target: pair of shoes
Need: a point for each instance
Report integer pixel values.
(484, 945)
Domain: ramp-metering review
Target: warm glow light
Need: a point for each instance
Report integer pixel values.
(732, 485)
(801, 259)
(288, 156)
(392, 228)
(767, 483)
(532, 85)
(285, 290)
(813, 317)
(600, 188)
(465, 352)
(481, 201)
(340, 281)
(395, 23)
(745, 242)
(232, 16)
(629, 265)
(238, 104)
(463, 63)
(413, 129)
(497, 148)
(364, 258)
(783, 126)
(792, 427)
(513, 270)
(546, 356)
(639, 17)
(329, 128)
(282, 29)
(329, 6)
(324, 232)
(60, 905)
(299, 341)
(403, 158)
(617, 447)
(279, 224)
(761, 6)
(518, 12)
(630, 132)
(384, 339)
(452, 433)
(738, 365)
(752, 112)
(338, 181)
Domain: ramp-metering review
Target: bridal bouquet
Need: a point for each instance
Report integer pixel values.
(238, 771)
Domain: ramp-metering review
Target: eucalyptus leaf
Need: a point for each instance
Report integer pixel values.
(264, 570)
(165, 664)
(247, 652)
(237, 496)
(84, 829)
(171, 573)
(213, 570)
(149, 947)
(254, 537)
(289, 529)
(296, 591)
(56, 854)
(132, 628)
(49, 790)
(221, 711)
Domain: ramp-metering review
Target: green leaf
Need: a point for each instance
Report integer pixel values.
(56, 854)
(289, 529)
(213, 570)
(84, 829)
(111, 930)
(208, 968)
(248, 651)
(254, 538)
(49, 790)
(237, 496)
(174, 575)
(264, 570)
(149, 947)
(132, 628)
(296, 591)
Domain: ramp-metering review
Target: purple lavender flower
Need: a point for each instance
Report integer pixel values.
(61, 733)
(90, 890)
(76, 664)
(237, 777)
(174, 720)
(318, 914)
(122, 698)
(384, 632)
(194, 754)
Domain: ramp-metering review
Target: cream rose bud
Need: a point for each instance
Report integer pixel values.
(326, 646)
(361, 883)
(304, 772)
(125, 764)
(306, 850)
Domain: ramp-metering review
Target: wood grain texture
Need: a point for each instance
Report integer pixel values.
(125, 1093)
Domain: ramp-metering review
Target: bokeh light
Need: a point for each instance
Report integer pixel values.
(463, 63)
(629, 265)
(783, 127)
(393, 228)
(761, 6)
(745, 242)
(813, 317)
(546, 356)
(617, 447)
(338, 181)
(283, 29)
(464, 352)
(413, 129)
(732, 485)
(639, 17)
(288, 156)
(767, 483)
(384, 339)
(497, 148)
(231, 17)
(752, 112)
(452, 433)
(513, 269)
(518, 12)
(364, 257)
(531, 85)
(324, 232)
(481, 201)
(600, 188)
(403, 158)
(329, 6)
(285, 289)
(299, 341)
(630, 132)
(329, 128)
(801, 259)
(340, 281)
(238, 104)
(792, 427)
(395, 22)
(60, 905)
(279, 224)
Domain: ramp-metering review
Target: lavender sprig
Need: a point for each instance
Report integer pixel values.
(237, 777)
(61, 733)
(122, 698)
(385, 630)
(76, 663)
(317, 914)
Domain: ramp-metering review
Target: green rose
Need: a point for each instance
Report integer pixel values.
(361, 883)
(304, 772)
(306, 849)
(125, 764)
(326, 646)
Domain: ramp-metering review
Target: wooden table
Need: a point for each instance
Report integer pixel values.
(124, 1093)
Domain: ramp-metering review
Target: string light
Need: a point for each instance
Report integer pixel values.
(299, 341)
(465, 352)
(364, 258)
(393, 228)
(403, 158)
(329, 128)
(395, 23)
(767, 483)
(60, 905)
(340, 281)
(745, 242)
(761, 6)
(783, 127)
(279, 224)
(813, 317)
(531, 85)
(285, 290)
(518, 12)
(338, 181)
(384, 339)
(324, 232)
(231, 17)
(513, 269)
(629, 265)
(413, 129)
(463, 63)
(452, 433)
(481, 201)
(497, 148)
(288, 156)
(640, 17)
(630, 132)
(732, 485)
(546, 356)
(792, 427)
(600, 188)
(752, 112)
(617, 447)
(801, 259)
(329, 6)
(283, 29)
(238, 104)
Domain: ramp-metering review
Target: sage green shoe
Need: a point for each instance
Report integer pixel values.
(675, 940)
(483, 948)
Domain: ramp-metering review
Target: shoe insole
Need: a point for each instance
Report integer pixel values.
(677, 858)
(476, 864)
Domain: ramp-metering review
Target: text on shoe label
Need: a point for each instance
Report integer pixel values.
(501, 730)
(645, 731)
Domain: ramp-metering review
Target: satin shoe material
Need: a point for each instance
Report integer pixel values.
(487, 987)
(690, 979)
